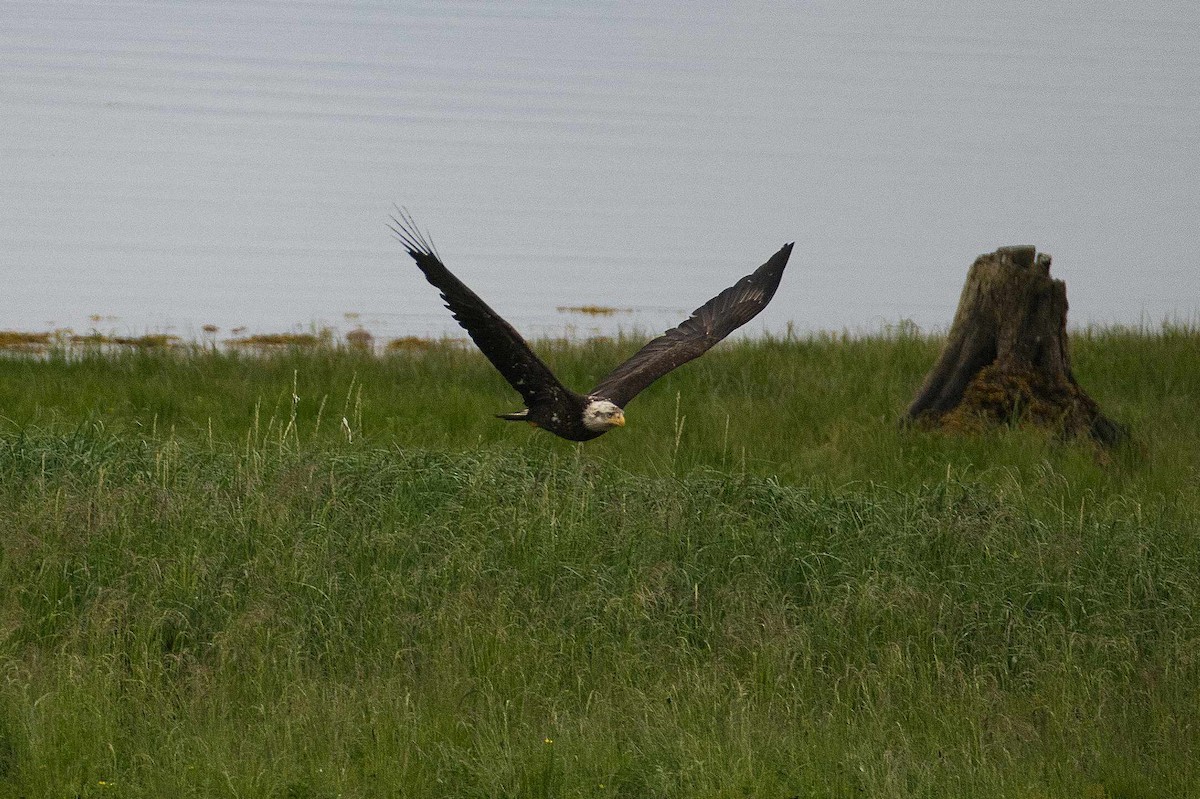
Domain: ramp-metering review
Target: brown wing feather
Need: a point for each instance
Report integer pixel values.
(708, 324)
(495, 337)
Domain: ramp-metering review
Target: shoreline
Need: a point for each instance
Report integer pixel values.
(360, 339)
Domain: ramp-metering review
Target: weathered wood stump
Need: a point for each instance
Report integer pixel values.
(1006, 358)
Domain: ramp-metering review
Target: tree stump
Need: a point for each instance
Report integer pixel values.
(1006, 358)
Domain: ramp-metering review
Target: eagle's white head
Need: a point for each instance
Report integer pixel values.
(600, 415)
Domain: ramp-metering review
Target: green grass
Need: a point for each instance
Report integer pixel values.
(323, 573)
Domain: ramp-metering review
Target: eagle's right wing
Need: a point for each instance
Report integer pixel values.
(495, 337)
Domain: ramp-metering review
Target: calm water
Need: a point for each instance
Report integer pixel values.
(170, 165)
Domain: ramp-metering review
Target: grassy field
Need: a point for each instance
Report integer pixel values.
(324, 573)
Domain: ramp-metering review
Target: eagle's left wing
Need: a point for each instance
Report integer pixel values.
(708, 324)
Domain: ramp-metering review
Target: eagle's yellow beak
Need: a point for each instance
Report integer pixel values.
(620, 420)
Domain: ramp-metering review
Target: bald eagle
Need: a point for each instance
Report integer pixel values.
(550, 405)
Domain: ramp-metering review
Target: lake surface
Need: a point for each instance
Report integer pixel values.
(169, 165)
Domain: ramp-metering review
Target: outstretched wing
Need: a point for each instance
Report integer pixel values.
(495, 337)
(708, 324)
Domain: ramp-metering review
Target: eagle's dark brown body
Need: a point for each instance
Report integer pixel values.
(562, 416)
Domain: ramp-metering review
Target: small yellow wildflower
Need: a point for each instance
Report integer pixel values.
(547, 741)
